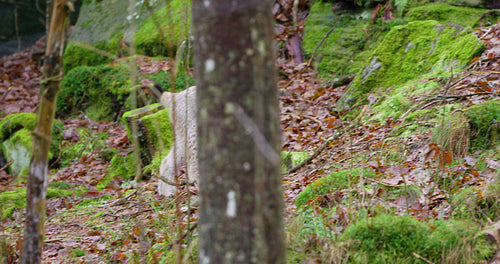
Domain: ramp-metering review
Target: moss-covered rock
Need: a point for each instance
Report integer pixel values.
(106, 29)
(19, 149)
(153, 130)
(331, 183)
(339, 54)
(17, 140)
(407, 52)
(14, 122)
(445, 13)
(164, 30)
(100, 91)
(485, 124)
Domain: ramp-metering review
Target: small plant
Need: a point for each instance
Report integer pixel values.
(452, 134)
(485, 124)
(79, 252)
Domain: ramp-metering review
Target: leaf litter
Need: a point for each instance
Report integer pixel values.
(122, 229)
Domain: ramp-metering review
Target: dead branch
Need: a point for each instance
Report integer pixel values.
(313, 156)
(319, 45)
(7, 165)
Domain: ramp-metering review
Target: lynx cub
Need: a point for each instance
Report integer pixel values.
(182, 139)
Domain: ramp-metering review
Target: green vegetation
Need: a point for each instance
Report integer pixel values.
(99, 91)
(341, 52)
(410, 51)
(333, 182)
(290, 159)
(11, 201)
(445, 13)
(394, 239)
(165, 30)
(79, 252)
(478, 202)
(76, 55)
(164, 79)
(485, 124)
(95, 201)
(14, 122)
(452, 133)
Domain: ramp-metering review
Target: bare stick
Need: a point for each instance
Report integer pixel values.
(319, 45)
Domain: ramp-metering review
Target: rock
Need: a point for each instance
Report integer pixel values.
(409, 51)
(113, 26)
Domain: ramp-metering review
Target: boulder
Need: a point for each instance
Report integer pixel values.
(410, 51)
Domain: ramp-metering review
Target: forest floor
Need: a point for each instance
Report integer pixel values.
(125, 222)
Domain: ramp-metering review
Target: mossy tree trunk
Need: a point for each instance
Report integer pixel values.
(37, 180)
(238, 133)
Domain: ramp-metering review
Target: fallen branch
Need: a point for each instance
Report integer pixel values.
(319, 45)
(313, 156)
(441, 97)
(422, 258)
(184, 235)
(7, 165)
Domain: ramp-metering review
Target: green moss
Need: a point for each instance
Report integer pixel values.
(485, 125)
(477, 202)
(121, 165)
(164, 79)
(408, 52)
(159, 129)
(100, 91)
(335, 181)
(444, 13)
(79, 252)
(14, 122)
(290, 159)
(16, 200)
(392, 107)
(338, 55)
(172, 21)
(394, 239)
(95, 201)
(82, 55)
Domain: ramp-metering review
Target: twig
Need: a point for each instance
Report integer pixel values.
(5, 94)
(313, 156)
(422, 258)
(177, 241)
(465, 95)
(7, 165)
(319, 45)
(455, 82)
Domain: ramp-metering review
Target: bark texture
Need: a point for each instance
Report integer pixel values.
(42, 137)
(238, 133)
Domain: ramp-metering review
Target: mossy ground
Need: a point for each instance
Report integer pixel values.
(335, 181)
(11, 201)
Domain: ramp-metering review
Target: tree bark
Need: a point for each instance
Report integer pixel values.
(42, 136)
(241, 202)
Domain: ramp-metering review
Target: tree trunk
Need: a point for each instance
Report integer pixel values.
(42, 136)
(238, 132)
